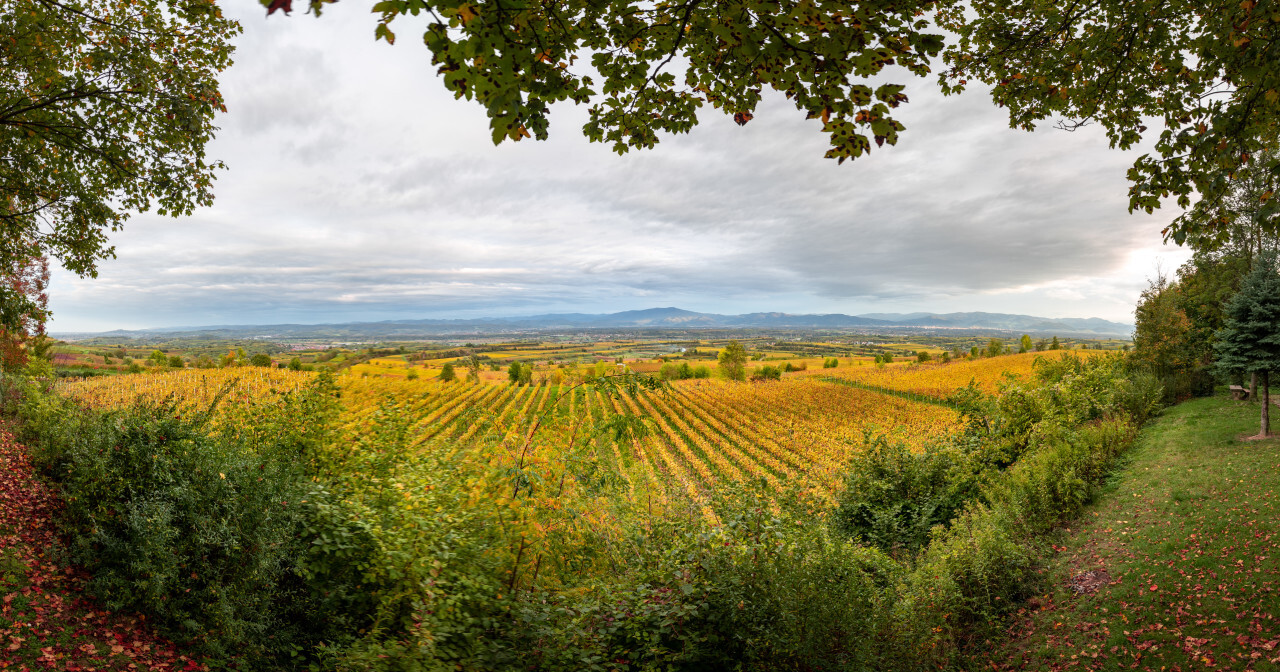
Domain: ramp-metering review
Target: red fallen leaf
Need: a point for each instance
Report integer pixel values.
(1154, 587)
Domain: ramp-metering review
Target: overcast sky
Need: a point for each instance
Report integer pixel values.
(358, 189)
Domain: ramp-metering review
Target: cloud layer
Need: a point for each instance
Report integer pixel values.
(359, 189)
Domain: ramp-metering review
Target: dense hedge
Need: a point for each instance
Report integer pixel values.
(216, 534)
(270, 540)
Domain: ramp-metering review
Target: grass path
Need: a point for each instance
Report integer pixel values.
(46, 622)
(1182, 551)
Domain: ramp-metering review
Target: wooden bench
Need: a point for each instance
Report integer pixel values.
(1239, 393)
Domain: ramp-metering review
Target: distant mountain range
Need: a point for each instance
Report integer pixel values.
(652, 318)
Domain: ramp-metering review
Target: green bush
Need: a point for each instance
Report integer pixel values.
(893, 497)
(1054, 483)
(767, 373)
(788, 596)
(222, 541)
(1139, 396)
(978, 569)
(971, 575)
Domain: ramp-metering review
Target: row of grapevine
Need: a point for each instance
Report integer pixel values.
(703, 433)
(188, 388)
(939, 380)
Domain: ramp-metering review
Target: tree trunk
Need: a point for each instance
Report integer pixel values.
(1266, 404)
(1253, 386)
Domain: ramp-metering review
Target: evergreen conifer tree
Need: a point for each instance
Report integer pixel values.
(1249, 342)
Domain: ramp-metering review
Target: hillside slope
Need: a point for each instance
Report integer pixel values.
(1176, 566)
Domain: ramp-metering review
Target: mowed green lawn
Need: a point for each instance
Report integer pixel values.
(1187, 535)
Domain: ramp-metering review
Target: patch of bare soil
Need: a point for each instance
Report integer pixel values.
(1086, 583)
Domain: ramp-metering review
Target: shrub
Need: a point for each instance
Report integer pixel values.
(220, 539)
(1054, 483)
(766, 373)
(1139, 396)
(968, 579)
(893, 497)
(785, 596)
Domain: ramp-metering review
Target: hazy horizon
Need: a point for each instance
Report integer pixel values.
(557, 312)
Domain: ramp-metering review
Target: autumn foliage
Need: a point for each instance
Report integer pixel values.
(24, 307)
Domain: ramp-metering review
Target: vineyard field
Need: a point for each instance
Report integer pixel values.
(700, 433)
(940, 380)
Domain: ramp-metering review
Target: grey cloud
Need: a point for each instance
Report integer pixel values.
(359, 187)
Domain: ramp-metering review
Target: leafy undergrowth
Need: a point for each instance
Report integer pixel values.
(1176, 567)
(46, 622)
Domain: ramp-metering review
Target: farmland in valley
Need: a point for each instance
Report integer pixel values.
(695, 434)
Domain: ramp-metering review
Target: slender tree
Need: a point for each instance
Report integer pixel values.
(733, 361)
(472, 362)
(1162, 330)
(1250, 341)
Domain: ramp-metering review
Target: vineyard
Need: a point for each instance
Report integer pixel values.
(696, 434)
(939, 380)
